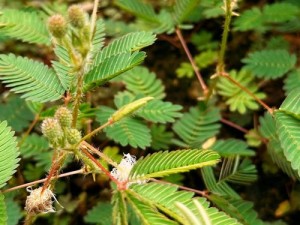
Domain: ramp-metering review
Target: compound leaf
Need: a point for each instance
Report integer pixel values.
(8, 153)
(34, 79)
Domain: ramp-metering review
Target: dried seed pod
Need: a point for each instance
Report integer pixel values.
(38, 202)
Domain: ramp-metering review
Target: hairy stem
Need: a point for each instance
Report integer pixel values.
(231, 124)
(195, 68)
(95, 131)
(77, 97)
(99, 165)
(43, 180)
(228, 15)
(94, 16)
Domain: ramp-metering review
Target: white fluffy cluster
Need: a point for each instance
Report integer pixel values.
(121, 173)
(39, 202)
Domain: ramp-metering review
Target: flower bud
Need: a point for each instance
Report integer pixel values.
(73, 136)
(76, 16)
(52, 130)
(57, 26)
(129, 109)
(64, 116)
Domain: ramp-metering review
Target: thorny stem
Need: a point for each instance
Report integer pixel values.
(56, 163)
(228, 14)
(99, 165)
(270, 110)
(100, 154)
(43, 180)
(195, 68)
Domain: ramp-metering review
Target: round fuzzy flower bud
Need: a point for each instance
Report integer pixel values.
(57, 26)
(76, 16)
(39, 202)
(52, 130)
(64, 116)
(73, 136)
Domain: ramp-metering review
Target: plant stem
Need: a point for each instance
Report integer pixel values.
(228, 14)
(94, 16)
(195, 68)
(231, 124)
(270, 110)
(95, 131)
(99, 165)
(99, 153)
(43, 180)
(77, 97)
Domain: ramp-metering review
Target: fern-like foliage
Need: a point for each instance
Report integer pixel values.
(164, 163)
(268, 130)
(146, 212)
(119, 209)
(183, 8)
(33, 145)
(161, 139)
(291, 105)
(251, 19)
(128, 43)
(14, 213)
(240, 209)
(199, 124)
(139, 8)
(100, 213)
(280, 12)
(289, 136)
(3, 213)
(292, 81)
(34, 79)
(270, 64)
(98, 38)
(165, 197)
(237, 99)
(63, 67)
(232, 147)
(8, 153)
(140, 80)
(112, 67)
(127, 131)
(24, 25)
(16, 113)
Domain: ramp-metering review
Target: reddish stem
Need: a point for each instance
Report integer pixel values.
(231, 124)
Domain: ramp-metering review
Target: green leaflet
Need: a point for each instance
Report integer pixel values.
(279, 12)
(268, 130)
(165, 197)
(98, 38)
(197, 125)
(183, 8)
(161, 164)
(251, 19)
(8, 153)
(232, 147)
(100, 213)
(14, 213)
(161, 138)
(36, 81)
(16, 112)
(289, 135)
(112, 67)
(128, 131)
(147, 214)
(140, 80)
(270, 64)
(292, 81)
(291, 105)
(3, 213)
(237, 99)
(24, 25)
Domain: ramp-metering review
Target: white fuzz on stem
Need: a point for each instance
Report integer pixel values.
(121, 173)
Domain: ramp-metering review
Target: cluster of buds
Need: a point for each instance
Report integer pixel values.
(58, 129)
